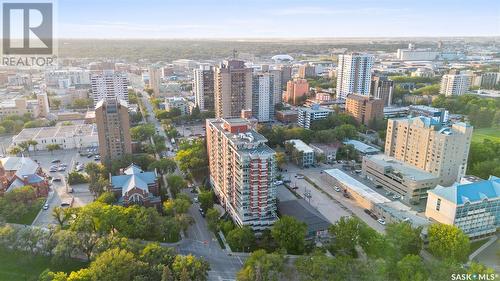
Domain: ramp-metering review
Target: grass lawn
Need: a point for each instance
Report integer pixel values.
(474, 245)
(479, 135)
(17, 266)
(31, 214)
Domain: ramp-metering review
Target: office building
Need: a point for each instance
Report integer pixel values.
(307, 115)
(155, 73)
(426, 144)
(410, 183)
(306, 71)
(354, 73)
(300, 153)
(382, 88)
(286, 75)
(109, 85)
(365, 109)
(43, 105)
(438, 114)
(488, 80)
(473, 207)
(296, 91)
(233, 89)
(203, 87)
(242, 172)
(454, 84)
(113, 127)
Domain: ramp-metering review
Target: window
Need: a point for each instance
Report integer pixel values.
(438, 204)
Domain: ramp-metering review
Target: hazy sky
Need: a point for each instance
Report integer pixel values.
(276, 18)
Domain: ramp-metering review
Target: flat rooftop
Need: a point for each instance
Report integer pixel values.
(357, 186)
(403, 168)
(301, 146)
(56, 132)
(362, 147)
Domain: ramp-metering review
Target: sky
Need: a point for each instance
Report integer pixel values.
(275, 18)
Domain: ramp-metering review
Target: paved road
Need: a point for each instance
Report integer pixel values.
(200, 241)
(316, 176)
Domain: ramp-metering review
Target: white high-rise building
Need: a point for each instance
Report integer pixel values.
(203, 87)
(455, 84)
(266, 92)
(109, 85)
(354, 74)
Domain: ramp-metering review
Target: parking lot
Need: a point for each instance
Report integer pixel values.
(191, 130)
(60, 192)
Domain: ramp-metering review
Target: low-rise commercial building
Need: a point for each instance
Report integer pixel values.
(438, 114)
(362, 194)
(67, 137)
(176, 102)
(409, 182)
(363, 148)
(307, 115)
(473, 207)
(287, 116)
(300, 153)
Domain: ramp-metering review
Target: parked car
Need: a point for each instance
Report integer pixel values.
(45, 206)
(346, 195)
(65, 204)
(381, 221)
(373, 216)
(367, 211)
(56, 179)
(337, 188)
(278, 182)
(61, 169)
(195, 200)
(55, 161)
(299, 177)
(201, 212)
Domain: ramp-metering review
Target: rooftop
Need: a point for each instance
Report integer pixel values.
(315, 109)
(362, 147)
(59, 131)
(133, 177)
(357, 186)
(24, 166)
(301, 146)
(302, 211)
(470, 192)
(404, 169)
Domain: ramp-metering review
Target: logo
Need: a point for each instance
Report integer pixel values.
(474, 276)
(28, 34)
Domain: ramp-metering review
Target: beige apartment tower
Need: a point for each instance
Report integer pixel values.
(233, 89)
(113, 128)
(424, 143)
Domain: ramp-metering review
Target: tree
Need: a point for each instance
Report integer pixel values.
(346, 235)
(76, 178)
(448, 242)
(280, 159)
(405, 239)
(262, 266)
(107, 197)
(61, 215)
(212, 217)
(52, 147)
(290, 234)
(241, 239)
(197, 269)
(206, 199)
(411, 268)
(155, 254)
(164, 165)
(176, 183)
(15, 150)
(142, 132)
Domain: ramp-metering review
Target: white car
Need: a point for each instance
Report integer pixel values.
(278, 182)
(300, 177)
(45, 206)
(195, 200)
(337, 188)
(381, 221)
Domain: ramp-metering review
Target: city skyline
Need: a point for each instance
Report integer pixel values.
(277, 19)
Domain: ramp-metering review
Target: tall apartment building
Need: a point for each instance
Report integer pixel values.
(113, 128)
(43, 104)
(307, 71)
(382, 88)
(286, 75)
(425, 143)
(233, 89)
(155, 74)
(364, 109)
(454, 84)
(203, 87)
(295, 90)
(307, 115)
(109, 85)
(354, 74)
(266, 93)
(242, 172)
(489, 80)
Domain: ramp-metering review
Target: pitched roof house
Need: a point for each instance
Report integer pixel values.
(134, 186)
(16, 172)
